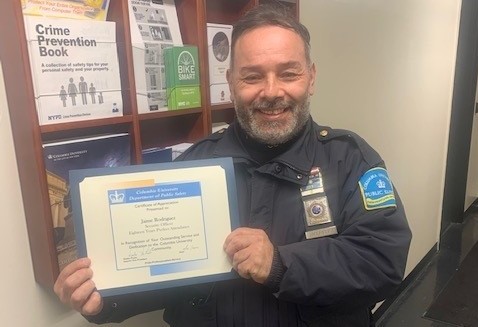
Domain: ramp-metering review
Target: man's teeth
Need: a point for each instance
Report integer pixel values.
(273, 112)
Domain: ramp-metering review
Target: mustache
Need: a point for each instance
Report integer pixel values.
(271, 105)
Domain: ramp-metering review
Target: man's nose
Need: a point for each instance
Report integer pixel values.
(273, 88)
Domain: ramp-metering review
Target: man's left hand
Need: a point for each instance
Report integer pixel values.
(250, 252)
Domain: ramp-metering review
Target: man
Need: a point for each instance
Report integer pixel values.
(324, 233)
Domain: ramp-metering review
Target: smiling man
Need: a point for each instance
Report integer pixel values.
(323, 233)
(271, 80)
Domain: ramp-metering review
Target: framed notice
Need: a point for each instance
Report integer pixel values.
(155, 226)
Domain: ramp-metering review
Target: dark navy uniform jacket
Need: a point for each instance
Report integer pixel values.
(325, 281)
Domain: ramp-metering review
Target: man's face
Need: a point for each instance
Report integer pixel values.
(271, 82)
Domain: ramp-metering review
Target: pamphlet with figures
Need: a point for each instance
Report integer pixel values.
(112, 150)
(75, 69)
(76, 9)
(154, 26)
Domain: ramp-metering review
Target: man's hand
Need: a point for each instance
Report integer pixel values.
(250, 252)
(75, 288)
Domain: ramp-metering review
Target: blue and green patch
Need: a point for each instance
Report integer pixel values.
(377, 189)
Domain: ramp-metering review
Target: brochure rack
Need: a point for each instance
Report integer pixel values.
(146, 130)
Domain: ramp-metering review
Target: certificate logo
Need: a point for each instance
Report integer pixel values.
(116, 197)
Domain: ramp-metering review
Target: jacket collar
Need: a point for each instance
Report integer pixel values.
(300, 155)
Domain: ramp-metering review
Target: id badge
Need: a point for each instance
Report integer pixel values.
(317, 213)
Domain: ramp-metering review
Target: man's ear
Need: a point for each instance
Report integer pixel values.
(229, 82)
(313, 74)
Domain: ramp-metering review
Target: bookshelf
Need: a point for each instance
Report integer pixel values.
(146, 130)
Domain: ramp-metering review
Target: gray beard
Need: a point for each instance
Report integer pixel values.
(275, 133)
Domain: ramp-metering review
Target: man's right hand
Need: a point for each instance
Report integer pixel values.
(75, 288)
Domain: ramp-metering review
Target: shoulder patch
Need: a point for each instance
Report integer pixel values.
(377, 189)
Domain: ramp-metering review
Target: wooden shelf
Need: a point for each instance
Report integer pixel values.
(173, 113)
(222, 106)
(85, 124)
(146, 130)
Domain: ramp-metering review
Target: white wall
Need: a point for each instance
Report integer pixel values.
(385, 70)
(24, 303)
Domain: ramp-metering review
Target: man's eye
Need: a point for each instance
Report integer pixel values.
(252, 78)
(289, 75)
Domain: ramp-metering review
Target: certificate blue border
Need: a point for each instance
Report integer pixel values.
(77, 176)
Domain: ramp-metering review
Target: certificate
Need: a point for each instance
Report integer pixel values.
(155, 226)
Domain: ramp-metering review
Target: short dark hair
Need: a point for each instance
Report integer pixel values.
(270, 14)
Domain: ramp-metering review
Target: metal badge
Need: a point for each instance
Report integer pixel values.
(317, 211)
